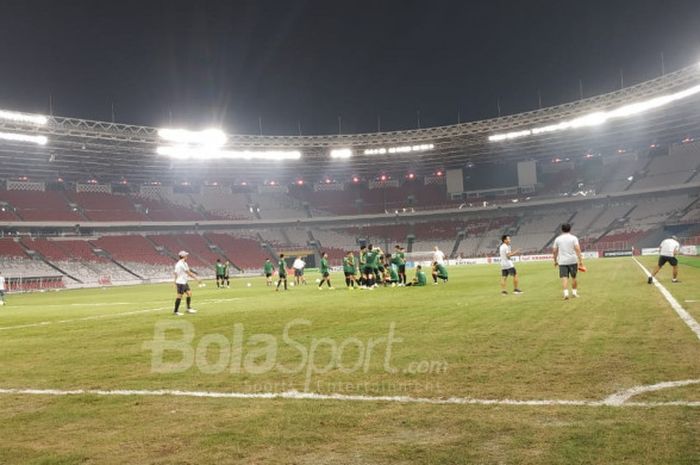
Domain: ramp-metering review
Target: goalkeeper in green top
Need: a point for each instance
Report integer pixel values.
(268, 269)
(281, 273)
(349, 270)
(219, 271)
(439, 271)
(325, 272)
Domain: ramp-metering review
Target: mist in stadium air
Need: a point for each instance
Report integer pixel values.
(360, 232)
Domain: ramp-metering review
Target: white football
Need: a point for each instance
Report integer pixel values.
(2, 302)
(291, 284)
(248, 285)
(318, 280)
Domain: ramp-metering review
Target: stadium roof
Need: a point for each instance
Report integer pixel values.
(78, 149)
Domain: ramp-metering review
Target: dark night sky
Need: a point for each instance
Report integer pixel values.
(228, 62)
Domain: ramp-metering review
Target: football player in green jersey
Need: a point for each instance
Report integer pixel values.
(439, 271)
(349, 270)
(325, 271)
(268, 269)
(219, 271)
(400, 261)
(420, 279)
(281, 273)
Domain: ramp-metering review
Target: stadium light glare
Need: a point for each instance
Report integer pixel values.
(208, 137)
(599, 117)
(341, 153)
(11, 136)
(39, 120)
(401, 149)
(208, 153)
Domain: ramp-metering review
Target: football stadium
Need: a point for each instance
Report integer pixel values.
(519, 288)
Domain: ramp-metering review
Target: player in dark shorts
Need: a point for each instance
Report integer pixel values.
(349, 270)
(281, 272)
(325, 271)
(227, 266)
(268, 269)
(400, 262)
(219, 271)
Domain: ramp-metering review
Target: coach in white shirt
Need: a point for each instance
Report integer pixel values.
(668, 250)
(438, 256)
(567, 256)
(298, 266)
(182, 273)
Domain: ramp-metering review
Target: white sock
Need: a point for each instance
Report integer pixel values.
(573, 291)
(566, 293)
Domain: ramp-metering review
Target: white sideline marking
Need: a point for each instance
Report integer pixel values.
(618, 399)
(685, 316)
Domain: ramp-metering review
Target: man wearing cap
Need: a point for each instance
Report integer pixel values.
(668, 250)
(182, 273)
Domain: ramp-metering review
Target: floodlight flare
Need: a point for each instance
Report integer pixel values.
(599, 117)
(341, 153)
(190, 153)
(207, 137)
(39, 120)
(401, 149)
(39, 140)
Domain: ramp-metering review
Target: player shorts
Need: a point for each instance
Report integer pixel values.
(367, 270)
(282, 275)
(349, 274)
(267, 275)
(380, 268)
(183, 288)
(566, 271)
(663, 260)
(298, 273)
(509, 272)
(219, 276)
(402, 269)
(226, 276)
(326, 274)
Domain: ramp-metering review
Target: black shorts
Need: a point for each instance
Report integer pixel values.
(183, 288)
(367, 270)
(219, 276)
(282, 275)
(402, 269)
(298, 273)
(509, 272)
(325, 274)
(349, 274)
(380, 268)
(663, 260)
(566, 271)
(226, 276)
(267, 275)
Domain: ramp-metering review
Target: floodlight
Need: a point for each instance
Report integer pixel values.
(40, 140)
(23, 117)
(208, 153)
(208, 137)
(600, 117)
(341, 153)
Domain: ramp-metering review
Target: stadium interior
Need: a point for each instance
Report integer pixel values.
(93, 203)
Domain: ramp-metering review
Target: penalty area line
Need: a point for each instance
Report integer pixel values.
(677, 307)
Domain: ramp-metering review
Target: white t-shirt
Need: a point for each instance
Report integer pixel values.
(298, 264)
(2, 283)
(566, 244)
(181, 269)
(669, 247)
(503, 251)
(439, 256)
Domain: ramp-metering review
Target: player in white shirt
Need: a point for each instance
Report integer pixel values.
(438, 256)
(567, 256)
(2, 289)
(182, 273)
(298, 266)
(507, 267)
(668, 250)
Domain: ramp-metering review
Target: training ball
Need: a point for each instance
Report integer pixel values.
(2, 302)
(318, 280)
(291, 284)
(202, 285)
(248, 285)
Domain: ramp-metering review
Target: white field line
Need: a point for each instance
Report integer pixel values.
(682, 313)
(107, 315)
(616, 400)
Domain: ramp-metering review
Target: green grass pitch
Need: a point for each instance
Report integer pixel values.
(462, 340)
